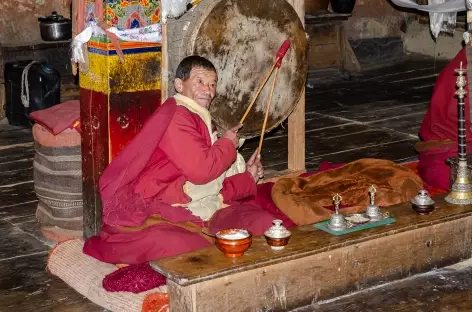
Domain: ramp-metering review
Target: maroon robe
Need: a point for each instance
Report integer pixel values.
(147, 177)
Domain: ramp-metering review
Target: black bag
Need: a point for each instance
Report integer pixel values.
(44, 90)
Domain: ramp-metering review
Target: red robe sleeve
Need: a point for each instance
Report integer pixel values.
(237, 187)
(188, 146)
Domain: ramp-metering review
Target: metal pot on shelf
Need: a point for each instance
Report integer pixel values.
(343, 6)
(55, 27)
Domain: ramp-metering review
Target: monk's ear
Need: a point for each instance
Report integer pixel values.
(178, 85)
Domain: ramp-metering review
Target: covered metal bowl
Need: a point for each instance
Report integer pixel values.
(422, 203)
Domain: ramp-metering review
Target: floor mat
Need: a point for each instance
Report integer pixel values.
(85, 275)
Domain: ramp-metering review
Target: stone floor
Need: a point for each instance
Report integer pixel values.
(376, 113)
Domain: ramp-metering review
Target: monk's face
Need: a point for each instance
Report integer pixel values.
(200, 86)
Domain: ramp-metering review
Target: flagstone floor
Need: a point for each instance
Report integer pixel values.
(376, 113)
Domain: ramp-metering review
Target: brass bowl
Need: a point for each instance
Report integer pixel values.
(232, 247)
(277, 243)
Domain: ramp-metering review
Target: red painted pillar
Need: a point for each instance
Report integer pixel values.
(116, 97)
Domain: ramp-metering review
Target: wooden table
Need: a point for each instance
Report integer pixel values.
(317, 265)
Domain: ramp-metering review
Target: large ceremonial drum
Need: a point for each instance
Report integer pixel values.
(241, 38)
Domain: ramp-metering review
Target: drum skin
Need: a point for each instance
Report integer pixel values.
(241, 38)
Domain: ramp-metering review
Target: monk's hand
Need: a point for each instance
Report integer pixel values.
(232, 135)
(254, 166)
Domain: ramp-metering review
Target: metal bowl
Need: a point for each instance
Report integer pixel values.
(357, 218)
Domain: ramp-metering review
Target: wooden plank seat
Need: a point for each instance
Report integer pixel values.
(316, 265)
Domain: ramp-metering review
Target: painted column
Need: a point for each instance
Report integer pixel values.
(116, 97)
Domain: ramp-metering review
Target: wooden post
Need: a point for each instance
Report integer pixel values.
(116, 100)
(74, 30)
(164, 65)
(296, 121)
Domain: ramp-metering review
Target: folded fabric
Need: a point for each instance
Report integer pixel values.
(134, 278)
(59, 117)
(414, 166)
(304, 200)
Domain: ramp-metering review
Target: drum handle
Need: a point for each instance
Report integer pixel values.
(278, 61)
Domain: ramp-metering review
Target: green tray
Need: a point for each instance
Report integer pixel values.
(324, 226)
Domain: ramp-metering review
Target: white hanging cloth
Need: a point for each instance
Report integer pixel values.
(442, 13)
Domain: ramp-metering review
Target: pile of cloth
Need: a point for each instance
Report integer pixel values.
(308, 199)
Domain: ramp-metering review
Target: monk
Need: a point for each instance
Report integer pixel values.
(175, 177)
(439, 128)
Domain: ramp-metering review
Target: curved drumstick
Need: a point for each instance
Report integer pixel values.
(267, 111)
(278, 61)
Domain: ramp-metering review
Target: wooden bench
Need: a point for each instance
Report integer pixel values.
(316, 265)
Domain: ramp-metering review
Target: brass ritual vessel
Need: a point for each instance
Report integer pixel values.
(461, 190)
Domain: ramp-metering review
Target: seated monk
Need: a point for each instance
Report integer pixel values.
(439, 128)
(176, 177)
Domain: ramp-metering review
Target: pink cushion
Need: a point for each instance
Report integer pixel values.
(58, 117)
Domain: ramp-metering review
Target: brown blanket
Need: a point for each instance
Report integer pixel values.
(305, 200)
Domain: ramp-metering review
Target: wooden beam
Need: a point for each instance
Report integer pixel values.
(296, 121)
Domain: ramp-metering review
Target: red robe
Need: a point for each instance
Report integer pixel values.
(440, 123)
(147, 177)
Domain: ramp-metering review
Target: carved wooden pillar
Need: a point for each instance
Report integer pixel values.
(116, 97)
